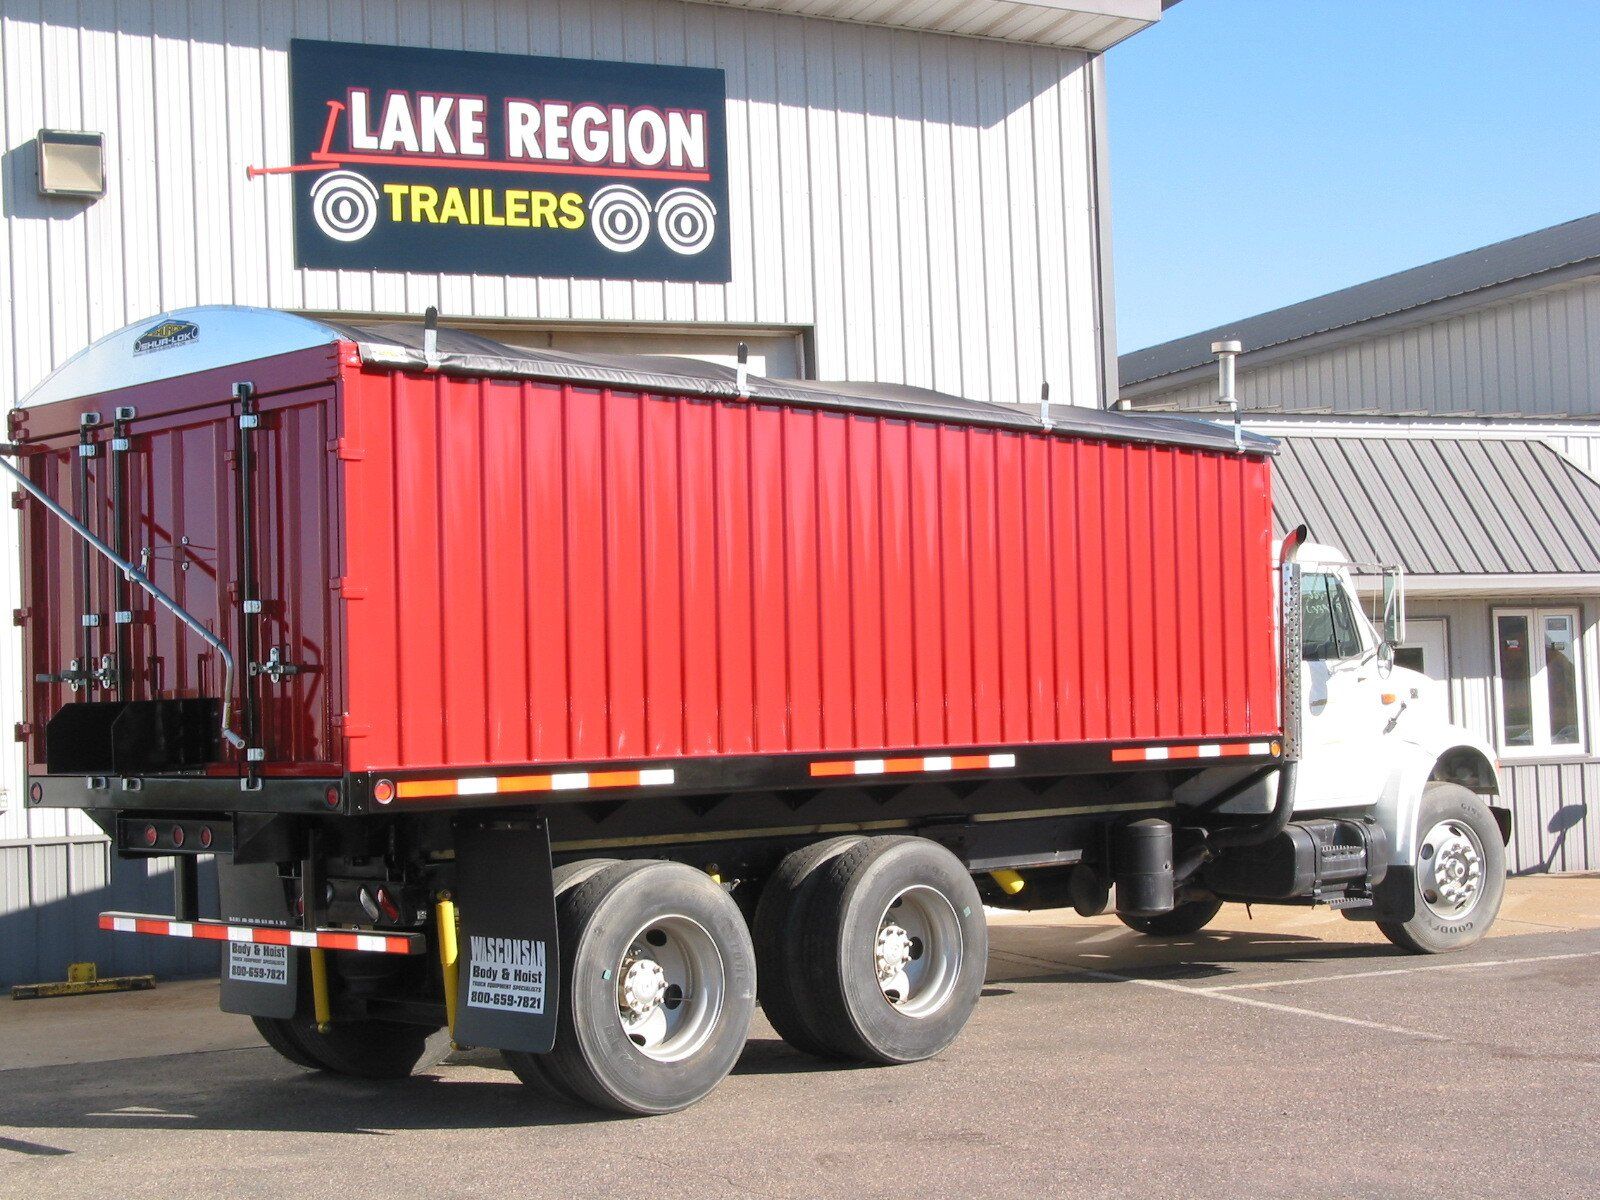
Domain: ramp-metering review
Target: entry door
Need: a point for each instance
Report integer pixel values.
(1341, 762)
(1427, 650)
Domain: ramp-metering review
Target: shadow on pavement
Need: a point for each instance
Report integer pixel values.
(1026, 951)
(252, 1090)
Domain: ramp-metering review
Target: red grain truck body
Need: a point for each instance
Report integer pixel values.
(385, 618)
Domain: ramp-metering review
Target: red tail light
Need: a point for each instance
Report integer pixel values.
(331, 797)
(150, 835)
(177, 835)
(387, 906)
(205, 837)
(383, 791)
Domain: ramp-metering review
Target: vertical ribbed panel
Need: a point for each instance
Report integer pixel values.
(561, 574)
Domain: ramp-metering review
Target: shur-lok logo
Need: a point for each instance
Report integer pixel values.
(487, 163)
(165, 336)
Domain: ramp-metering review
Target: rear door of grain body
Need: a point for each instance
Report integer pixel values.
(170, 500)
(570, 574)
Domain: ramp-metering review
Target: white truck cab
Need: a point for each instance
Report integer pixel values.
(1372, 744)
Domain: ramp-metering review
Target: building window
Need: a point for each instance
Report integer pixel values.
(1537, 679)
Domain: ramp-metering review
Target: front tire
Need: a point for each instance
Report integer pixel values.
(658, 987)
(1458, 873)
(1189, 917)
(896, 947)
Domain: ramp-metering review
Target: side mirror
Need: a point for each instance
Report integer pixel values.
(1385, 659)
(1394, 608)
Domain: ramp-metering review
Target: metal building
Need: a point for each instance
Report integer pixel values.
(1447, 419)
(896, 192)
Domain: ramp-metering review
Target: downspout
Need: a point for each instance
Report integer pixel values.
(134, 575)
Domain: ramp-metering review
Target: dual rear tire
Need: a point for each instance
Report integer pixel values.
(658, 988)
(869, 950)
(873, 950)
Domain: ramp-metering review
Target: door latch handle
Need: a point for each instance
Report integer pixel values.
(277, 668)
(74, 676)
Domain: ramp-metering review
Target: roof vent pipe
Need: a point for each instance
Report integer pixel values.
(1226, 353)
(741, 373)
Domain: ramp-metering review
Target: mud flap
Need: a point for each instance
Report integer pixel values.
(257, 981)
(508, 967)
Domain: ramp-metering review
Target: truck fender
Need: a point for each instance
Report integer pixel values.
(1421, 764)
(1418, 765)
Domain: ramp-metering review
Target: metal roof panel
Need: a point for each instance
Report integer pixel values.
(1442, 506)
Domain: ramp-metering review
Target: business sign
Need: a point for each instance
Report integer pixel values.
(443, 160)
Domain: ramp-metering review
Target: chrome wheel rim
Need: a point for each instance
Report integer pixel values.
(671, 987)
(1450, 868)
(917, 953)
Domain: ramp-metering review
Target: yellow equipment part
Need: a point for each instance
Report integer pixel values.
(320, 1006)
(446, 915)
(1010, 882)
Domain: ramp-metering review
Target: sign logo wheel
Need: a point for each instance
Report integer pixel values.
(621, 217)
(344, 205)
(686, 220)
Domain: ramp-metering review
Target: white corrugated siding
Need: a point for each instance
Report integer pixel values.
(1535, 356)
(925, 203)
(1555, 802)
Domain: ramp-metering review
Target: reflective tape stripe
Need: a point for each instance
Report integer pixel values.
(561, 781)
(1202, 750)
(926, 764)
(221, 931)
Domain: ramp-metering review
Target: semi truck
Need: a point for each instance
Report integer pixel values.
(570, 706)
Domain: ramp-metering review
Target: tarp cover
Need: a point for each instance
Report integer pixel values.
(459, 352)
(204, 338)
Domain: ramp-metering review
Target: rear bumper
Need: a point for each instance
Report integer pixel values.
(265, 935)
(189, 793)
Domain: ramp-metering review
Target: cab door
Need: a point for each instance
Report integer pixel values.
(1342, 748)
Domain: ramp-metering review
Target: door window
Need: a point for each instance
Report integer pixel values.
(1537, 680)
(1328, 624)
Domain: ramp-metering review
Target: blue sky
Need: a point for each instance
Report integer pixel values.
(1267, 151)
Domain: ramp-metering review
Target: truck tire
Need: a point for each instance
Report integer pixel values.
(1189, 917)
(530, 1068)
(1458, 875)
(364, 1049)
(272, 1032)
(896, 947)
(785, 988)
(658, 986)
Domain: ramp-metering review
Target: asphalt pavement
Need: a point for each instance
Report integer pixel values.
(1285, 1053)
